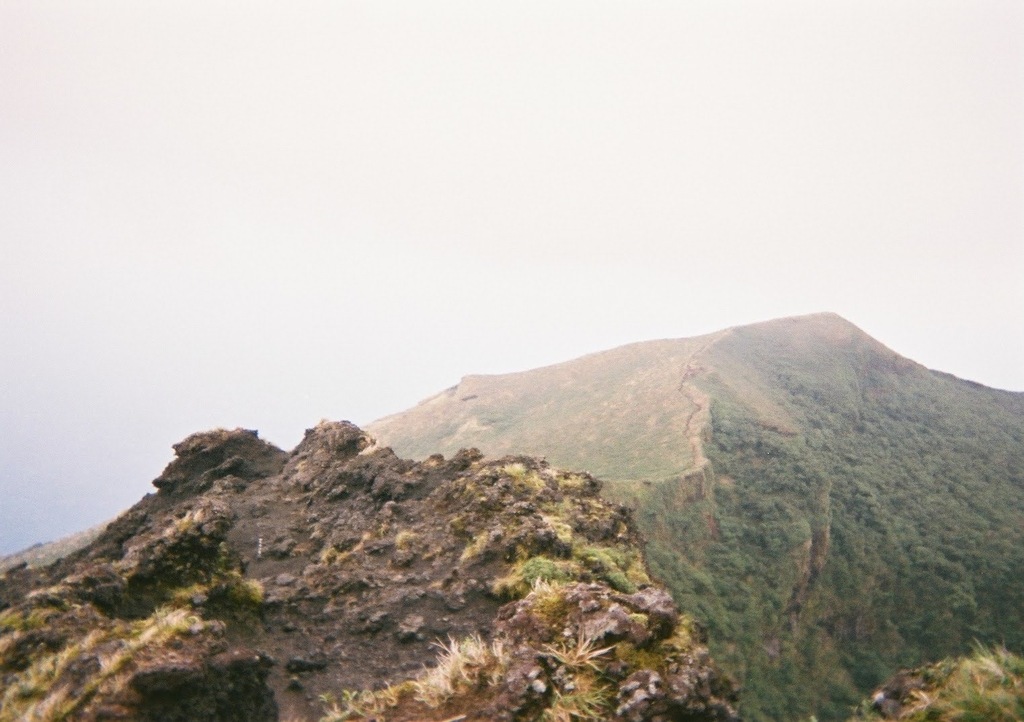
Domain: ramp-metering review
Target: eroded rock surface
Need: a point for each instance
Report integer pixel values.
(255, 584)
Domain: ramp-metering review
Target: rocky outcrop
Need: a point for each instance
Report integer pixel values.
(988, 684)
(203, 458)
(255, 584)
(630, 648)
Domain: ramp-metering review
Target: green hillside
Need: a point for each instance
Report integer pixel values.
(831, 510)
(620, 413)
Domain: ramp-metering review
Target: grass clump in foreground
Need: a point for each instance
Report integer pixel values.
(359, 704)
(525, 574)
(555, 659)
(987, 686)
(623, 572)
(462, 666)
(42, 692)
(523, 479)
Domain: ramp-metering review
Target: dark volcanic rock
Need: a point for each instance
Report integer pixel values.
(344, 566)
(585, 626)
(230, 687)
(210, 455)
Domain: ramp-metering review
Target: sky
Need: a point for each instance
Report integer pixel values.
(262, 214)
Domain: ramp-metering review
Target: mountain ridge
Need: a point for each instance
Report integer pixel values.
(818, 480)
(797, 331)
(259, 584)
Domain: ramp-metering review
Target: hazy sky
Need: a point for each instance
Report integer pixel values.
(263, 214)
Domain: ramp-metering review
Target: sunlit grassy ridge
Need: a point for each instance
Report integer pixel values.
(582, 414)
(860, 513)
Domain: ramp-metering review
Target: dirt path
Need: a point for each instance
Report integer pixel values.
(700, 416)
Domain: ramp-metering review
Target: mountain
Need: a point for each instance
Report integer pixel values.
(43, 554)
(257, 584)
(833, 510)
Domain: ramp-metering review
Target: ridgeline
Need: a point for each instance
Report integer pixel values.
(340, 582)
(830, 509)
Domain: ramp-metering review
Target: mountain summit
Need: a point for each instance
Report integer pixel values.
(832, 509)
(627, 408)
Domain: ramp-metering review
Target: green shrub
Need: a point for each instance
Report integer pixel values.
(526, 574)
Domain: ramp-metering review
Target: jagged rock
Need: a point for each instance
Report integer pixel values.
(410, 628)
(230, 686)
(590, 625)
(349, 564)
(898, 692)
(303, 664)
(101, 585)
(207, 456)
(522, 692)
(657, 604)
(642, 697)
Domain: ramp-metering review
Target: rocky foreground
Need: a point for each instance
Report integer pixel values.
(341, 582)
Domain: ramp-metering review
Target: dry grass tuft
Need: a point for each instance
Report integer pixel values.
(461, 665)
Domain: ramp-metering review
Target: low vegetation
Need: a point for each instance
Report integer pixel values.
(565, 652)
(45, 688)
(986, 686)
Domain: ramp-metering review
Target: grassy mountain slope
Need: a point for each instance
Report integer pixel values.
(831, 509)
(590, 405)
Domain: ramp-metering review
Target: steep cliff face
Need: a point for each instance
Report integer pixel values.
(258, 584)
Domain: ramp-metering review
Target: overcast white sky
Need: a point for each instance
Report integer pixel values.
(262, 214)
